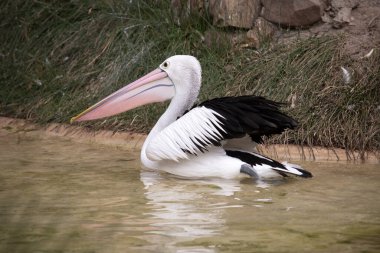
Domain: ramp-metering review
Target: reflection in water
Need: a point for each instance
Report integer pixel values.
(60, 196)
(182, 209)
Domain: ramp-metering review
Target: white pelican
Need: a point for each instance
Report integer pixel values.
(216, 138)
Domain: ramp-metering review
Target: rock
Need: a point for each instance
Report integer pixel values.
(182, 9)
(339, 12)
(320, 29)
(342, 18)
(328, 16)
(262, 31)
(253, 39)
(294, 13)
(223, 39)
(235, 13)
(292, 36)
(337, 4)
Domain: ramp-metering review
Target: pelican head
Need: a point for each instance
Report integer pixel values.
(177, 77)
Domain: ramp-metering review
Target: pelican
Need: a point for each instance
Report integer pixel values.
(216, 138)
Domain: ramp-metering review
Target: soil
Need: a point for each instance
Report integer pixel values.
(362, 32)
(358, 21)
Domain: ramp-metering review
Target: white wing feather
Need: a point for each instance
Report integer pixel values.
(346, 75)
(189, 133)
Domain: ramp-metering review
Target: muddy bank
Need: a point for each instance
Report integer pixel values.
(123, 140)
(133, 142)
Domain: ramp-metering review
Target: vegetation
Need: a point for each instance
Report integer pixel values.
(59, 57)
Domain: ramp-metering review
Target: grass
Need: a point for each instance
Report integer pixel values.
(308, 76)
(59, 57)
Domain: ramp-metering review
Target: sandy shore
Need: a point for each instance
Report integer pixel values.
(134, 142)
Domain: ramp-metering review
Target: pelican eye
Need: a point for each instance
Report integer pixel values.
(165, 65)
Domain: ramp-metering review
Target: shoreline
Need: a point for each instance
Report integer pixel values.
(134, 141)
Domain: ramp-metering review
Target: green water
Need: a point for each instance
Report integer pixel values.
(61, 196)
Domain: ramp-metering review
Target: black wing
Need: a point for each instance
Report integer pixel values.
(252, 115)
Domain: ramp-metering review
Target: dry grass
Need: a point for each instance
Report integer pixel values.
(308, 76)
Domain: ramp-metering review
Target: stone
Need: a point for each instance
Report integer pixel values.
(182, 9)
(234, 13)
(261, 32)
(320, 29)
(342, 18)
(293, 36)
(223, 39)
(339, 12)
(293, 13)
(328, 16)
(337, 4)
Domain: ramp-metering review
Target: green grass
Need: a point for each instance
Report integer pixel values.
(59, 57)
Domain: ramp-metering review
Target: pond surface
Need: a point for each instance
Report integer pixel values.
(61, 196)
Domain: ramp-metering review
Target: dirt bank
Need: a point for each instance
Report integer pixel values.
(123, 140)
(133, 141)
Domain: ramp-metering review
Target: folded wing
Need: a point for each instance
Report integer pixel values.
(216, 120)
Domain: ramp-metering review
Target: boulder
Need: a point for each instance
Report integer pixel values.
(234, 13)
(294, 13)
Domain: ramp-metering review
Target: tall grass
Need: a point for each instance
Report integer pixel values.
(59, 57)
(308, 76)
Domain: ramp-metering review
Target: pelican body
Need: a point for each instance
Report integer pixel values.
(216, 138)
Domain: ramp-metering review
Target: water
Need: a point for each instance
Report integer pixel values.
(61, 196)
